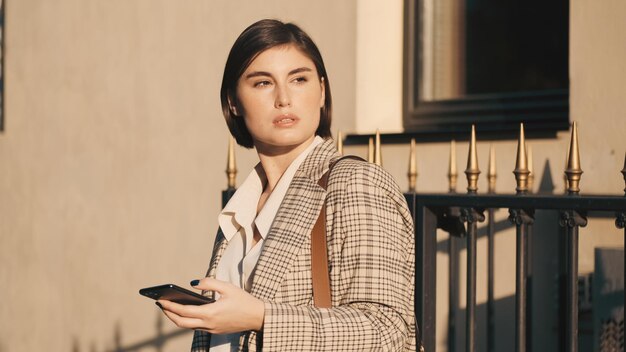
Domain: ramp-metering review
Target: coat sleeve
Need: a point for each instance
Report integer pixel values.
(372, 276)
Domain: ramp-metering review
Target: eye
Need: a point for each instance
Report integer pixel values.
(264, 83)
(300, 79)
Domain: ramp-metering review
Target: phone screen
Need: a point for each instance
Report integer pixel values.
(176, 294)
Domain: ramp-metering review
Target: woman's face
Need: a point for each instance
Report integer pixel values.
(279, 96)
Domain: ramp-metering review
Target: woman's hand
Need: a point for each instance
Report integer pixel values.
(236, 310)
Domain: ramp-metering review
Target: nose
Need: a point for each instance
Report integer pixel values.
(282, 97)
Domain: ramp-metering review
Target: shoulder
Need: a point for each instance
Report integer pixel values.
(353, 180)
(358, 172)
(368, 203)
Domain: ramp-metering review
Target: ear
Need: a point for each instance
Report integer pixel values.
(233, 107)
(323, 97)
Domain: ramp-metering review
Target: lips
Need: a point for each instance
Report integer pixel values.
(285, 120)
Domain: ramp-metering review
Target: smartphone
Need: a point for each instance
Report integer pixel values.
(176, 294)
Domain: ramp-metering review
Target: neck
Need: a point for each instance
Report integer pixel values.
(276, 160)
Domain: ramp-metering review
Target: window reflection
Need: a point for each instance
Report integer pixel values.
(475, 47)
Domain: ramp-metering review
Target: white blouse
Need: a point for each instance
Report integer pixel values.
(236, 222)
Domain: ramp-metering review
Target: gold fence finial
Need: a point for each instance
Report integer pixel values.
(492, 173)
(231, 165)
(452, 172)
(531, 169)
(340, 142)
(378, 158)
(472, 170)
(370, 150)
(573, 170)
(624, 172)
(521, 165)
(412, 167)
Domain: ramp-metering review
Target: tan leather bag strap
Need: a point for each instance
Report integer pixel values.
(319, 260)
(319, 251)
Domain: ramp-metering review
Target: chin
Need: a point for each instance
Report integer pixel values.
(287, 141)
(291, 142)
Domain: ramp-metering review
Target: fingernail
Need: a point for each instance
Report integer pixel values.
(194, 282)
(158, 305)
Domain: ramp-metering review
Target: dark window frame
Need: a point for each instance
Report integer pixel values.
(498, 116)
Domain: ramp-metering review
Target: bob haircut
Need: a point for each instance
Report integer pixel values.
(260, 36)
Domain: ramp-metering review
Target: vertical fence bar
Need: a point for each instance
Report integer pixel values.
(491, 225)
(620, 222)
(491, 229)
(562, 288)
(529, 286)
(226, 195)
(426, 273)
(572, 290)
(471, 287)
(520, 288)
(453, 285)
(471, 216)
(522, 219)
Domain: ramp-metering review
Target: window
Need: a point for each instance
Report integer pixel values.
(493, 63)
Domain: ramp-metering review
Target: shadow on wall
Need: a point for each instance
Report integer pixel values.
(546, 185)
(157, 342)
(505, 314)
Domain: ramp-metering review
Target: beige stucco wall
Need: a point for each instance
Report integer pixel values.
(112, 157)
(379, 66)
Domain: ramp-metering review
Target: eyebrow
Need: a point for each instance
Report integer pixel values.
(267, 74)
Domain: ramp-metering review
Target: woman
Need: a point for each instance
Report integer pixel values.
(276, 97)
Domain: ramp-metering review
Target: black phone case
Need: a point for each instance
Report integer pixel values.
(176, 294)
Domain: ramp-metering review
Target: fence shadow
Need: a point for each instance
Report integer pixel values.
(157, 342)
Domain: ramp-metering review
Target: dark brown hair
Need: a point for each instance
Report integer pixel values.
(260, 36)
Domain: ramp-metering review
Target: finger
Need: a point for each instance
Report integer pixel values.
(210, 284)
(187, 311)
(183, 322)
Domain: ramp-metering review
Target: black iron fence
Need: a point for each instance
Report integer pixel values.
(459, 215)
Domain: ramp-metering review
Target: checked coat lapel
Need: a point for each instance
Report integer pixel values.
(202, 339)
(218, 250)
(293, 223)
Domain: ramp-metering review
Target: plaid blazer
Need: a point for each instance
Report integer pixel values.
(371, 255)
